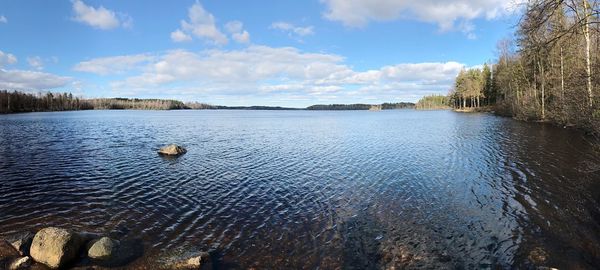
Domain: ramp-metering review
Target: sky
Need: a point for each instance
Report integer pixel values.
(232, 52)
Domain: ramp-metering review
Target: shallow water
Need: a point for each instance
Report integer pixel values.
(308, 189)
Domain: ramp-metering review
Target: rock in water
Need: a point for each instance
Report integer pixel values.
(54, 246)
(199, 261)
(172, 150)
(102, 249)
(538, 256)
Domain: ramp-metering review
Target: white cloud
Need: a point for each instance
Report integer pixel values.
(425, 72)
(7, 59)
(242, 37)
(201, 24)
(292, 30)
(285, 74)
(36, 62)
(467, 28)
(3, 19)
(30, 80)
(100, 17)
(236, 29)
(113, 65)
(445, 13)
(180, 36)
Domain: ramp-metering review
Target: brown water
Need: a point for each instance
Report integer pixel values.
(308, 189)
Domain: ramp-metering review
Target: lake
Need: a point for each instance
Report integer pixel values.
(308, 189)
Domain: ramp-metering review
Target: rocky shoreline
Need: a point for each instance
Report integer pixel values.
(59, 248)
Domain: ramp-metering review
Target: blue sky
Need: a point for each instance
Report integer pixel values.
(285, 53)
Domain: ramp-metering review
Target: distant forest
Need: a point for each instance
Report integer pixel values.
(13, 102)
(16, 102)
(342, 107)
(135, 104)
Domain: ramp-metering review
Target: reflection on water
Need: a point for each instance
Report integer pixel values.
(304, 189)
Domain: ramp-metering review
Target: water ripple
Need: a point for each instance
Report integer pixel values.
(305, 190)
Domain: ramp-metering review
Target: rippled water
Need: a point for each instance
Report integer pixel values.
(307, 189)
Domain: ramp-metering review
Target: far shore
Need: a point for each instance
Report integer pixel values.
(20, 102)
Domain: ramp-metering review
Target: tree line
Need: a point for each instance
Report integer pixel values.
(433, 102)
(15, 102)
(548, 71)
(473, 88)
(359, 106)
(135, 104)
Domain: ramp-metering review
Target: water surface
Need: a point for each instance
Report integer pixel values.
(308, 189)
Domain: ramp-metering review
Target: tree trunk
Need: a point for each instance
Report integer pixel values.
(562, 82)
(535, 78)
(588, 62)
(543, 82)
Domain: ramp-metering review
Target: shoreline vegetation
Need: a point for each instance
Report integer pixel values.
(433, 102)
(21, 102)
(548, 72)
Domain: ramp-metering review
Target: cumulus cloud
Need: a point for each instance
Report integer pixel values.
(280, 73)
(241, 37)
(424, 72)
(200, 24)
(31, 80)
(447, 14)
(99, 17)
(3, 19)
(236, 29)
(113, 65)
(180, 36)
(293, 30)
(7, 59)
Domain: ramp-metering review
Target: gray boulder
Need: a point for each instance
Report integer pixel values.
(55, 247)
(103, 249)
(172, 150)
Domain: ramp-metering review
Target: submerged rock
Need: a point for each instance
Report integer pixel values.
(55, 247)
(172, 150)
(103, 249)
(538, 256)
(20, 263)
(200, 261)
